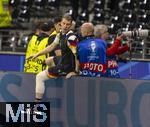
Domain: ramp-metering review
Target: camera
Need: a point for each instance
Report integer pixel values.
(137, 33)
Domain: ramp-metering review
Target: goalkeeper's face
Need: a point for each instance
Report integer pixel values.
(65, 25)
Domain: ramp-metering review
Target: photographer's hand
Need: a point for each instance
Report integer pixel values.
(129, 42)
(120, 37)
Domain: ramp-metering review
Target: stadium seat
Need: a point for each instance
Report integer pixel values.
(116, 18)
(129, 5)
(52, 5)
(129, 17)
(39, 5)
(144, 19)
(24, 16)
(23, 41)
(26, 3)
(144, 5)
(98, 17)
(98, 4)
(114, 28)
(13, 39)
(83, 17)
(14, 3)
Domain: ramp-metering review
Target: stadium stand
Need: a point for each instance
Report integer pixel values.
(136, 15)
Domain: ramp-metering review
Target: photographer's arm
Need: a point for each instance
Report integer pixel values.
(122, 49)
(114, 48)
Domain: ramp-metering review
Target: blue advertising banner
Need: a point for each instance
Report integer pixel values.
(15, 62)
(11, 62)
(135, 70)
(83, 101)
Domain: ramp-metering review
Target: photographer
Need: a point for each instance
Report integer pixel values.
(101, 31)
(91, 53)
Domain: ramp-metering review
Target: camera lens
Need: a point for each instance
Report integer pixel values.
(137, 33)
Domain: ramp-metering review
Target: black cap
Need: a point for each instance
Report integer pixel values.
(47, 26)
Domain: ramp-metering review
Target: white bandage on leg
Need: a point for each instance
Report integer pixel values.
(40, 85)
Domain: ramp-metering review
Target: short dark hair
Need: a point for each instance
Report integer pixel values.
(57, 19)
(47, 26)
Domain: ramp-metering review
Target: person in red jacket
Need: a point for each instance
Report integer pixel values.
(101, 31)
